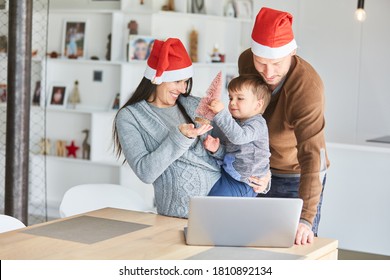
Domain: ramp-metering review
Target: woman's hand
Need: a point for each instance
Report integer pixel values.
(259, 185)
(190, 131)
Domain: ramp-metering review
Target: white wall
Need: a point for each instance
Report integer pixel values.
(356, 198)
(374, 94)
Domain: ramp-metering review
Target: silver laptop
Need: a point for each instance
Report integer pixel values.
(243, 221)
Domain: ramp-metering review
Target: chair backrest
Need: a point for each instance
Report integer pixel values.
(8, 223)
(88, 197)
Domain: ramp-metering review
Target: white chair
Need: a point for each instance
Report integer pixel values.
(8, 223)
(87, 197)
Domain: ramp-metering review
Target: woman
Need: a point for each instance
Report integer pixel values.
(156, 133)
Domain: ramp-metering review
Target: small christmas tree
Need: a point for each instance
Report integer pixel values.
(213, 92)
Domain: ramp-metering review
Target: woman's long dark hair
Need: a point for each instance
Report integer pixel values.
(144, 91)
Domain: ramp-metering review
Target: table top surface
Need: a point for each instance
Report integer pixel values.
(111, 233)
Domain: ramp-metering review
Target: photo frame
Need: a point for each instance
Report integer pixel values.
(57, 96)
(4, 5)
(74, 39)
(3, 44)
(228, 78)
(140, 47)
(243, 8)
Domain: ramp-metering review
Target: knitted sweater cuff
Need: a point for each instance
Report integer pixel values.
(306, 223)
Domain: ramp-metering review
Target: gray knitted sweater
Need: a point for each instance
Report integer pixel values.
(178, 167)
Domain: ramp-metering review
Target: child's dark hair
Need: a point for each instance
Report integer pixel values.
(255, 84)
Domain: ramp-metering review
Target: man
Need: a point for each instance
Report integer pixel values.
(295, 116)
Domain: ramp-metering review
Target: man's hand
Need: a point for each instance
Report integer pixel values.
(304, 234)
(211, 144)
(189, 130)
(260, 184)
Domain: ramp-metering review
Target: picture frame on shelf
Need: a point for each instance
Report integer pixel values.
(3, 44)
(243, 9)
(57, 96)
(4, 5)
(74, 39)
(140, 47)
(228, 78)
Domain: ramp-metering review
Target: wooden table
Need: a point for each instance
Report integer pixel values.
(111, 233)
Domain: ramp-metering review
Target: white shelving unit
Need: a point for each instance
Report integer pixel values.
(120, 76)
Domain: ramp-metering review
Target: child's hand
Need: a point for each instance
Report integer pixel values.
(216, 106)
(211, 144)
(190, 131)
(260, 185)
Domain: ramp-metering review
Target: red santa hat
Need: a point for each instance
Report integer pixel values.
(272, 34)
(168, 62)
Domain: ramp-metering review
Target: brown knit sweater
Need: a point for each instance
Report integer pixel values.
(295, 119)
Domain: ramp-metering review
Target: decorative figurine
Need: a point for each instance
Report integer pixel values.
(86, 147)
(194, 45)
(170, 6)
(133, 27)
(37, 93)
(53, 54)
(108, 51)
(116, 102)
(198, 7)
(45, 146)
(74, 98)
(72, 149)
(216, 56)
(3, 93)
(213, 92)
(229, 11)
(60, 148)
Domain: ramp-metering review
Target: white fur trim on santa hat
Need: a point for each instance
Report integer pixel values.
(273, 53)
(168, 76)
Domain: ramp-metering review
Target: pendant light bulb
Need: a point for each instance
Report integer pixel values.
(360, 14)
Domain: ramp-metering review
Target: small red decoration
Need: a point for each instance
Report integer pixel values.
(72, 149)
